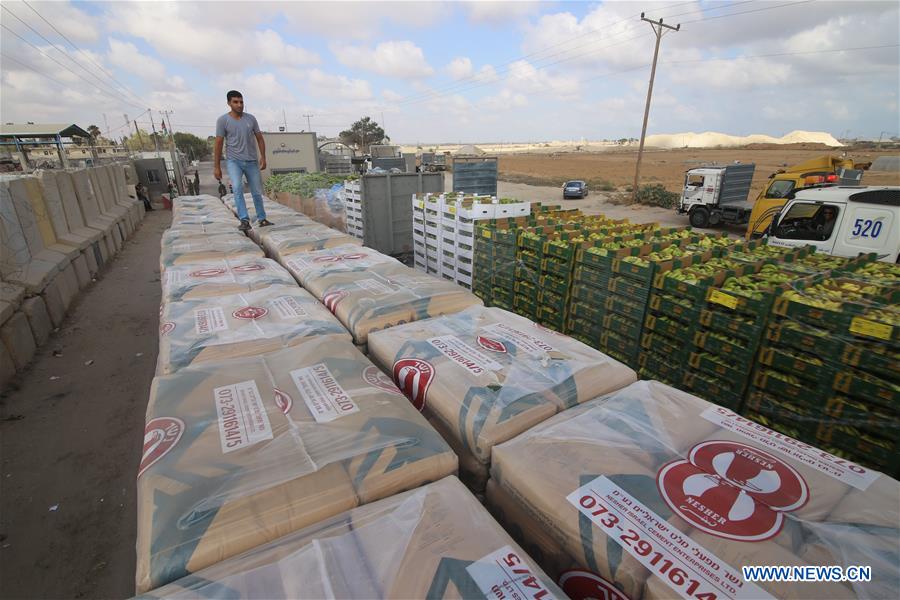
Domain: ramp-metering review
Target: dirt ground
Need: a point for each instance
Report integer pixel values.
(71, 429)
(616, 167)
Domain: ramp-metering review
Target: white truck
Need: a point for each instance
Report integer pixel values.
(717, 194)
(842, 220)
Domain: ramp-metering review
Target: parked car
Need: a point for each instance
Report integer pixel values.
(575, 189)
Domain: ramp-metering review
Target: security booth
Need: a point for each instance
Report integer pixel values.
(152, 172)
(291, 152)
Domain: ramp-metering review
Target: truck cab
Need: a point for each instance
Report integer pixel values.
(841, 220)
(716, 194)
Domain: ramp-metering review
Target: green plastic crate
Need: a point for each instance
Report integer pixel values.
(625, 307)
(624, 326)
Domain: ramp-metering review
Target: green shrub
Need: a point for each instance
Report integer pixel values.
(657, 195)
(302, 184)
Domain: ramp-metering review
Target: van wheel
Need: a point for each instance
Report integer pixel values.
(699, 217)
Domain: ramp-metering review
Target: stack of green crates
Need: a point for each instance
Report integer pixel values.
(829, 370)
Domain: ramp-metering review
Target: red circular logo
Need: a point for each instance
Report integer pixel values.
(326, 259)
(732, 490)
(160, 435)
(248, 268)
(374, 377)
(331, 299)
(250, 312)
(413, 376)
(214, 272)
(283, 401)
(581, 585)
(492, 345)
(166, 328)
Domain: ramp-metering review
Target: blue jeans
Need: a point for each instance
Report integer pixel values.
(250, 168)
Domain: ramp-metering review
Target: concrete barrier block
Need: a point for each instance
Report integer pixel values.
(38, 319)
(82, 272)
(7, 367)
(16, 336)
(10, 298)
(53, 299)
(68, 287)
(34, 276)
(90, 255)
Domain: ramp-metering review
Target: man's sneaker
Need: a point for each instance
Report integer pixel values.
(245, 225)
(265, 223)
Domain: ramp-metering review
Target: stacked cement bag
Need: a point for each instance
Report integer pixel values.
(485, 375)
(434, 542)
(57, 230)
(246, 324)
(667, 495)
(240, 452)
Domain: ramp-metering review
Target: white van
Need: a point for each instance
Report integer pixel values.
(843, 221)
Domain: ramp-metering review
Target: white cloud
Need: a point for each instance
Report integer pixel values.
(400, 59)
(338, 86)
(210, 39)
(499, 13)
(504, 100)
(737, 74)
(74, 23)
(460, 67)
(391, 96)
(126, 56)
(524, 77)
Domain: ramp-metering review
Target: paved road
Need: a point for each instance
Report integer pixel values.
(71, 435)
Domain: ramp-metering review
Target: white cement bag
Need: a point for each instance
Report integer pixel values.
(240, 452)
(434, 542)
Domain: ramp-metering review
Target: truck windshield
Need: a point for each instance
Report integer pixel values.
(779, 189)
(803, 221)
(695, 180)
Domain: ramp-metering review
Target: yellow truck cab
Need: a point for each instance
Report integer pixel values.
(841, 220)
(785, 183)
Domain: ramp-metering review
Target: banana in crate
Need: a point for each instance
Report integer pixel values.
(248, 324)
(384, 296)
(242, 451)
(349, 258)
(221, 277)
(434, 542)
(669, 496)
(485, 375)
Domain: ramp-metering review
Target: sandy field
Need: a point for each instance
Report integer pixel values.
(614, 169)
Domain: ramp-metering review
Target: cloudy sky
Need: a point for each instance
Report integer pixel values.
(458, 71)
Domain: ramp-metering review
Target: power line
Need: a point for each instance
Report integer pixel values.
(66, 54)
(85, 54)
(475, 77)
(30, 68)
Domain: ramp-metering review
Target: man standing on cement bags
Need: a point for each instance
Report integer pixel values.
(237, 130)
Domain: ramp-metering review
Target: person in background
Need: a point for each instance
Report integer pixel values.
(142, 196)
(173, 191)
(196, 182)
(236, 130)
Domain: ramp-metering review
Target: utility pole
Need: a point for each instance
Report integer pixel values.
(284, 118)
(176, 167)
(155, 137)
(140, 139)
(308, 126)
(660, 30)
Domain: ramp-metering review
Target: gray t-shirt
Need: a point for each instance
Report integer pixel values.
(240, 141)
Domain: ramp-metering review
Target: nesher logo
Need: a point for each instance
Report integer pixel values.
(374, 377)
(160, 435)
(214, 272)
(492, 345)
(166, 328)
(339, 257)
(248, 268)
(283, 401)
(732, 490)
(331, 299)
(581, 585)
(413, 376)
(250, 312)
